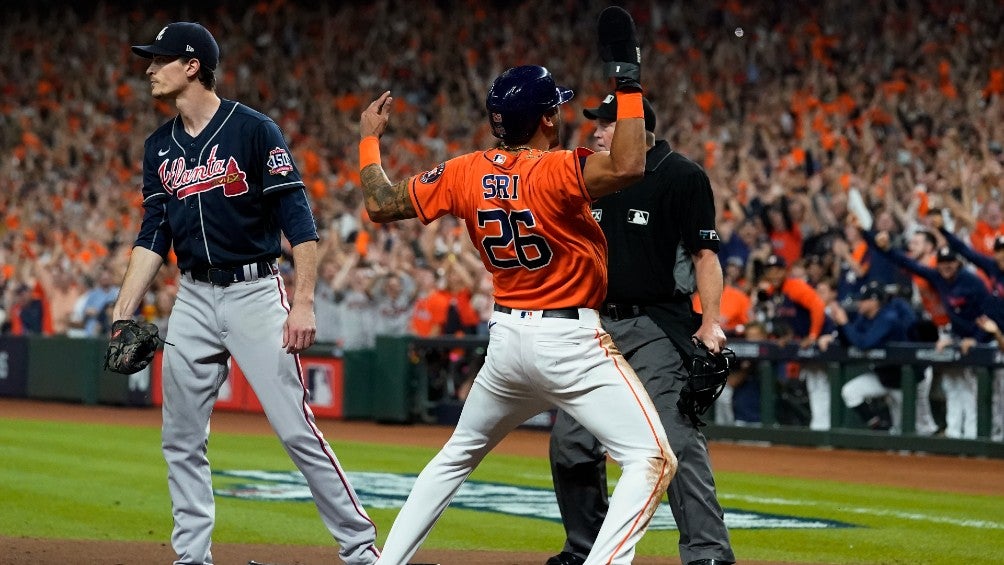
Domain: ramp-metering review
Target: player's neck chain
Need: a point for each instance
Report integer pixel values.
(517, 148)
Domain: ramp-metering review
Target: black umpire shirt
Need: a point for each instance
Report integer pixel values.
(645, 224)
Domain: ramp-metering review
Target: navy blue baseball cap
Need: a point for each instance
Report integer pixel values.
(946, 255)
(874, 290)
(607, 110)
(775, 261)
(183, 39)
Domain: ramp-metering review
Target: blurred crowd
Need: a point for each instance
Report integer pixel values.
(835, 134)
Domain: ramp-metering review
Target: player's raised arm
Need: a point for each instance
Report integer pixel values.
(624, 164)
(385, 201)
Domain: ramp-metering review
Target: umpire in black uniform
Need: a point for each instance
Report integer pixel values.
(662, 248)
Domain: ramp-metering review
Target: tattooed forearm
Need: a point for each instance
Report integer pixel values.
(385, 202)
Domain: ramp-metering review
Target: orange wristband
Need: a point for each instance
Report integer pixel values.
(629, 105)
(369, 151)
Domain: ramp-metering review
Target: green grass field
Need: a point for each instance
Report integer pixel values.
(87, 481)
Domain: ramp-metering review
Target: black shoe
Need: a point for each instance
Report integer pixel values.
(566, 558)
(711, 562)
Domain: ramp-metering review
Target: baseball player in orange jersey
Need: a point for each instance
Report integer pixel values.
(526, 208)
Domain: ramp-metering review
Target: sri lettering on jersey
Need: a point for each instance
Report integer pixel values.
(279, 162)
(429, 177)
(503, 187)
(184, 182)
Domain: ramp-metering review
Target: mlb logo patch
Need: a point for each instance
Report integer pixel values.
(498, 159)
(637, 217)
(597, 214)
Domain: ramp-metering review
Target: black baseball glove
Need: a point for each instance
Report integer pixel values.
(619, 49)
(706, 381)
(131, 346)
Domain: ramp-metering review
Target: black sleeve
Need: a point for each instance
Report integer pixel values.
(295, 217)
(983, 262)
(695, 203)
(155, 231)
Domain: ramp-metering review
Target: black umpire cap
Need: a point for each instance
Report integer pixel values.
(607, 110)
(183, 39)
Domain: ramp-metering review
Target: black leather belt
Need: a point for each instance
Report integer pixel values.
(570, 313)
(225, 276)
(618, 312)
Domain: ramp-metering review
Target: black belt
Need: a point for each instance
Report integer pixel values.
(570, 313)
(225, 276)
(619, 312)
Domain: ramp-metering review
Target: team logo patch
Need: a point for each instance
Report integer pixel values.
(597, 214)
(709, 235)
(279, 162)
(432, 176)
(637, 217)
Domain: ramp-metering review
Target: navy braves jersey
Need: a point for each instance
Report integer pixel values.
(654, 225)
(222, 197)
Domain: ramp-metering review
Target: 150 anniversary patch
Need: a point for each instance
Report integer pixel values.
(279, 162)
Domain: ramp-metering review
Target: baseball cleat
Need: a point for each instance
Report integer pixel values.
(565, 558)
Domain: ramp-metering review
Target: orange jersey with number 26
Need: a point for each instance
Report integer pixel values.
(528, 214)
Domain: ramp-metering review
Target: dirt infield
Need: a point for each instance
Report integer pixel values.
(929, 472)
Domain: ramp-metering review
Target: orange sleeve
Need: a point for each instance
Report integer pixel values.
(801, 293)
(439, 192)
(735, 307)
(432, 192)
(859, 253)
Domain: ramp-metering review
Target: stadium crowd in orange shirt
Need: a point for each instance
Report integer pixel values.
(898, 102)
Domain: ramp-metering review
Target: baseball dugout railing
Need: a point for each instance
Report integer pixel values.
(435, 401)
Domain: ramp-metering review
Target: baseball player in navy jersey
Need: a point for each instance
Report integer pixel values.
(219, 185)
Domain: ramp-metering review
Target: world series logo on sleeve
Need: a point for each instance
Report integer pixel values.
(279, 162)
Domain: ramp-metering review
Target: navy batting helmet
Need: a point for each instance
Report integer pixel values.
(517, 100)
